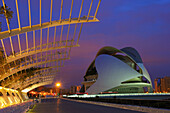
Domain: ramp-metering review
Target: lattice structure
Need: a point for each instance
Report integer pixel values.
(33, 53)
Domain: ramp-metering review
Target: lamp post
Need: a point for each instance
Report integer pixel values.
(58, 88)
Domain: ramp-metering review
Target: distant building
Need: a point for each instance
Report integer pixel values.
(162, 84)
(75, 89)
(51, 91)
(157, 83)
(78, 88)
(64, 91)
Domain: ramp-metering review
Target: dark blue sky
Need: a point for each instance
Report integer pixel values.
(141, 24)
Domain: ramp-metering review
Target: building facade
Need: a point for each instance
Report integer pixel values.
(117, 71)
(75, 89)
(162, 84)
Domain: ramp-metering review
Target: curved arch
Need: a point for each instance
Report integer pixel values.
(17, 56)
(132, 53)
(37, 85)
(29, 66)
(108, 50)
(54, 23)
(43, 73)
(36, 76)
(37, 80)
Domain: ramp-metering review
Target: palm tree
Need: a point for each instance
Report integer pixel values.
(2, 58)
(6, 12)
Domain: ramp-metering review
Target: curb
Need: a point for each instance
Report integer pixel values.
(129, 107)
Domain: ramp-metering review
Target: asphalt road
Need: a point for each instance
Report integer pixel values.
(66, 106)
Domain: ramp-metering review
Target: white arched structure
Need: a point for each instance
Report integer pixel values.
(118, 71)
(43, 44)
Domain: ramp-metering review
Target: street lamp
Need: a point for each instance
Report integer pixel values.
(58, 84)
(58, 88)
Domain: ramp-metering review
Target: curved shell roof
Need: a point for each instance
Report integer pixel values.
(129, 51)
(132, 53)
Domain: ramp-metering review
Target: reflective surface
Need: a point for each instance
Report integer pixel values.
(65, 106)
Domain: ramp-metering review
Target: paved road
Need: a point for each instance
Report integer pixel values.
(66, 106)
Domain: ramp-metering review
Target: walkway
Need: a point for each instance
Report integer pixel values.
(66, 106)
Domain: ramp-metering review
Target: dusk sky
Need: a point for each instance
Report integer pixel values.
(141, 24)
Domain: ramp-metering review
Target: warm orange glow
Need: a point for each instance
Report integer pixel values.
(58, 84)
(32, 92)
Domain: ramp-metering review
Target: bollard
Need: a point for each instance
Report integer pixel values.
(39, 98)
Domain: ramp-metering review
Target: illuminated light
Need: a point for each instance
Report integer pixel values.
(0, 87)
(32, 92)
(16, 100)
(58, 84)
(25, 90)
(2, 105)
(12, 90)
(10, 100)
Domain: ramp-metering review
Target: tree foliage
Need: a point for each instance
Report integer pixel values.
(6, 12)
